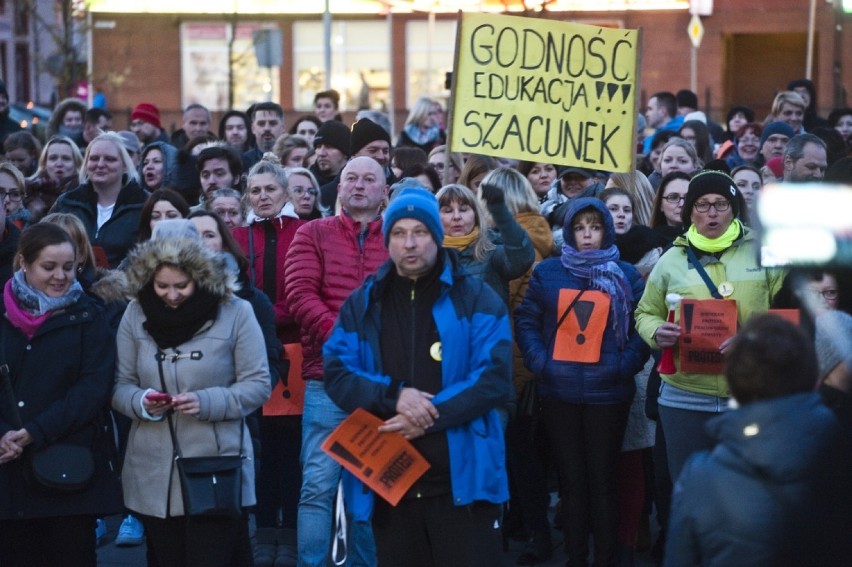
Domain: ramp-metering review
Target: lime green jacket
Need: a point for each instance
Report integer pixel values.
(754, 288)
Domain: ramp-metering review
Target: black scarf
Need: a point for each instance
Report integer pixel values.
(172, 327)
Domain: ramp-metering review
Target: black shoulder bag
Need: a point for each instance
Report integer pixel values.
(210, 486)
(58, 468)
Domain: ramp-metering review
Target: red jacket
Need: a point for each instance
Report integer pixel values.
(328, 259)
(285, 229)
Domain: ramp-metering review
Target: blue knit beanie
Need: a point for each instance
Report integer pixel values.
(775, 128)
(417, 204)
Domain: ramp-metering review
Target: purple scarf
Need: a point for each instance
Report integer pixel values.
(599, 268)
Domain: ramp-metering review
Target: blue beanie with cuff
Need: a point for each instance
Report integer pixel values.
(419, 204)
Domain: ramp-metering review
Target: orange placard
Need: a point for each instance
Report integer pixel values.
(792, 315)
(580, 335)
(386, 462)
(704, 325)
(289, 400)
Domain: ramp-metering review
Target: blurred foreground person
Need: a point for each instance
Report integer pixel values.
(775, 489)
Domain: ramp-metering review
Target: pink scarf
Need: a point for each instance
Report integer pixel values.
(20, 318)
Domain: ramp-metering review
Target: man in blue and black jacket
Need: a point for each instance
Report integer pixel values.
(428, 348)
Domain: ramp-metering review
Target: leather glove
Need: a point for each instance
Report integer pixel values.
(492, 194)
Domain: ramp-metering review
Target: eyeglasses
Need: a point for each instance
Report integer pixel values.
(673, 198)
(827, 294)
(13, 195)
(720, 206)
(299, 191)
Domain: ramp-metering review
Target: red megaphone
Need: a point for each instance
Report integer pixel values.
(667, 365)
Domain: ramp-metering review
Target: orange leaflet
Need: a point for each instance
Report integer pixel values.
(386, 462)
(289, 400)
(580, 335)
(704, 325)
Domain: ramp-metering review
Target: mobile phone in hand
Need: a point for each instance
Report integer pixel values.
(159, 397)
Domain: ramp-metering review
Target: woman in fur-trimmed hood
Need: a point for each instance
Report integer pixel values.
(206, 269)
(186, 334)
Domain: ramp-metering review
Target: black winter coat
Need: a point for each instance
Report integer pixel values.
(62, 380)
(117, 235)
(775, 490)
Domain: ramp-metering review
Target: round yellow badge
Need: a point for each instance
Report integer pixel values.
(435, 351)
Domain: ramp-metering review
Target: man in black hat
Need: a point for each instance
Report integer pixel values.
(7, 125)
(332, 152)
(366, 139)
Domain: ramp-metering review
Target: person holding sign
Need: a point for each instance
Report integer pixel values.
(715, 259)
(575, 329)
(427, 347)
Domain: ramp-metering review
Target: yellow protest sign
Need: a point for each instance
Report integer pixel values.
(545, 91)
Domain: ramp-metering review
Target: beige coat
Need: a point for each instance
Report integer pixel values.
(231, 379)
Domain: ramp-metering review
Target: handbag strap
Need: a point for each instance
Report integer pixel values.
(693, 259)
(564, 315)
(6, 382)
(161, 356)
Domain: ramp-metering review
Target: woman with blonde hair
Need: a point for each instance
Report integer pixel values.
(447, 164)
(292, 149)
(109, 199)
(58, 171)
(641, 192)
(679, 155)
(497, 257)
(422, 128)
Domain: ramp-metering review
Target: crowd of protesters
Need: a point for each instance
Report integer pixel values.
(242, 292)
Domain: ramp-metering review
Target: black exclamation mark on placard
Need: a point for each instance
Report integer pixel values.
(686, 312)
(342, 452)
(583, 310)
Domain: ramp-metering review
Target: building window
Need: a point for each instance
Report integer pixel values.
(430, 51)
(204, 66)
(360, 64)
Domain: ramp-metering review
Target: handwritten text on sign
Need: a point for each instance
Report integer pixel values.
(545, 91)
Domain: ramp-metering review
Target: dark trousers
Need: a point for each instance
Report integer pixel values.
(524, 448)
(186, 541)
(685, 435)
(66, 540)
(279, 479)
(432, 532)
(586, 444)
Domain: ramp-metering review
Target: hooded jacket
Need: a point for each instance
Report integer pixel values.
(118, 234)
(170, 165)
(556, 206)
(774, 490)
(610, 380)
(754, 289)
(229, 374)
(473, 326)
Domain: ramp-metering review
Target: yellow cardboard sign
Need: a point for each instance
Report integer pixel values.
(545, 91)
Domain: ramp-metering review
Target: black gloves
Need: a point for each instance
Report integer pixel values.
(492, 194)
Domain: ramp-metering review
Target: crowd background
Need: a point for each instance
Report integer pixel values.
(291, 208)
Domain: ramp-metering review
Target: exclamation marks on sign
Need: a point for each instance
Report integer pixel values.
(612, 89)
(583, 311)
(686, 313)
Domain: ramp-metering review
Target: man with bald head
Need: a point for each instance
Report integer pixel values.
(327, 260)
